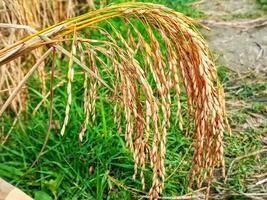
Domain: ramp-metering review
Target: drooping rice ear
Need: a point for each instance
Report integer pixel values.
(146, 107)
(70, 80)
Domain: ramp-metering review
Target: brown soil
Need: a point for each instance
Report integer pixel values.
(239, 48)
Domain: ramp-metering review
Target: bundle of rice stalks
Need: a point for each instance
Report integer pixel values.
(142, 76)
(37, 14)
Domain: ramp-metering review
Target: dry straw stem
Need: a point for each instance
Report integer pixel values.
(37, 14)
(145, 108)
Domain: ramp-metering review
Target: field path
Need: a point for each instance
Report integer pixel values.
(238, 33)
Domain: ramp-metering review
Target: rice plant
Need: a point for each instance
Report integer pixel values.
(141, 76)
(37, 14)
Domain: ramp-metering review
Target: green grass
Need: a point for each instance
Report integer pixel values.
(246, 102)
(101, 167)
(262, 4)
(178, 5)
(69, 169)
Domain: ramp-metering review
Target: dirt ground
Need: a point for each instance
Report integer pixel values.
(238, 39)
(238, 33)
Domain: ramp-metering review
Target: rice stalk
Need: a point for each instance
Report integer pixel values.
(37, 14)
(144, 104)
